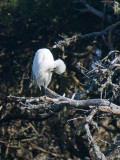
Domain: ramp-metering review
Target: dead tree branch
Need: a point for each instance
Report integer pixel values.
(101, 104)
(68, 41)
(92, 10)
(86, 120)
(98, 155)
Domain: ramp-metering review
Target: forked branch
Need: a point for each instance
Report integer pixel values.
(101, 104)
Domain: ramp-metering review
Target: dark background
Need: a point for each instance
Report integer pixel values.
(25, 27)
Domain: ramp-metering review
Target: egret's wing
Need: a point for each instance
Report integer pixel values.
(43, 64)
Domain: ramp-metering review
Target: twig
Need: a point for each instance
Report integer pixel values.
(45, 151)
(88, 119)
(34, 129)
(92, 10)
(98, 155)
(111, 52)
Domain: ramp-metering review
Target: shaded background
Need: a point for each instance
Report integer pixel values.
(26, 26)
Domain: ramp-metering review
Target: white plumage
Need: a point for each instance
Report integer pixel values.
(43, 67)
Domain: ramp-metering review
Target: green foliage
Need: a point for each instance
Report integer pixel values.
(116, 8)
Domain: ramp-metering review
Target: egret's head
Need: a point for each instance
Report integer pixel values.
(59, 66)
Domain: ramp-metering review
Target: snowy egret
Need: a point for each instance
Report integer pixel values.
(43, 67)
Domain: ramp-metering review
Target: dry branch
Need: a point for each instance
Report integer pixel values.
(86, 120)
(92, 10)
(101, 104)
(45, 151)
(68, 41)
(96, 151)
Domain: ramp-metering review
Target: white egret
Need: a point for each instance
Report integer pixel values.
(43, 67)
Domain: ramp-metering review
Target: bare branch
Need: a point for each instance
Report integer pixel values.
(96, 151)
(101, 104)
(45, 151)
(92, 10)
(68, 41)
(86, 120)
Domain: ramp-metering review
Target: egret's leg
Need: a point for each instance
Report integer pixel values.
(45, 94)
(44, 90)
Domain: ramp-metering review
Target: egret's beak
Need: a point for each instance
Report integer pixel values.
(54, 70)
